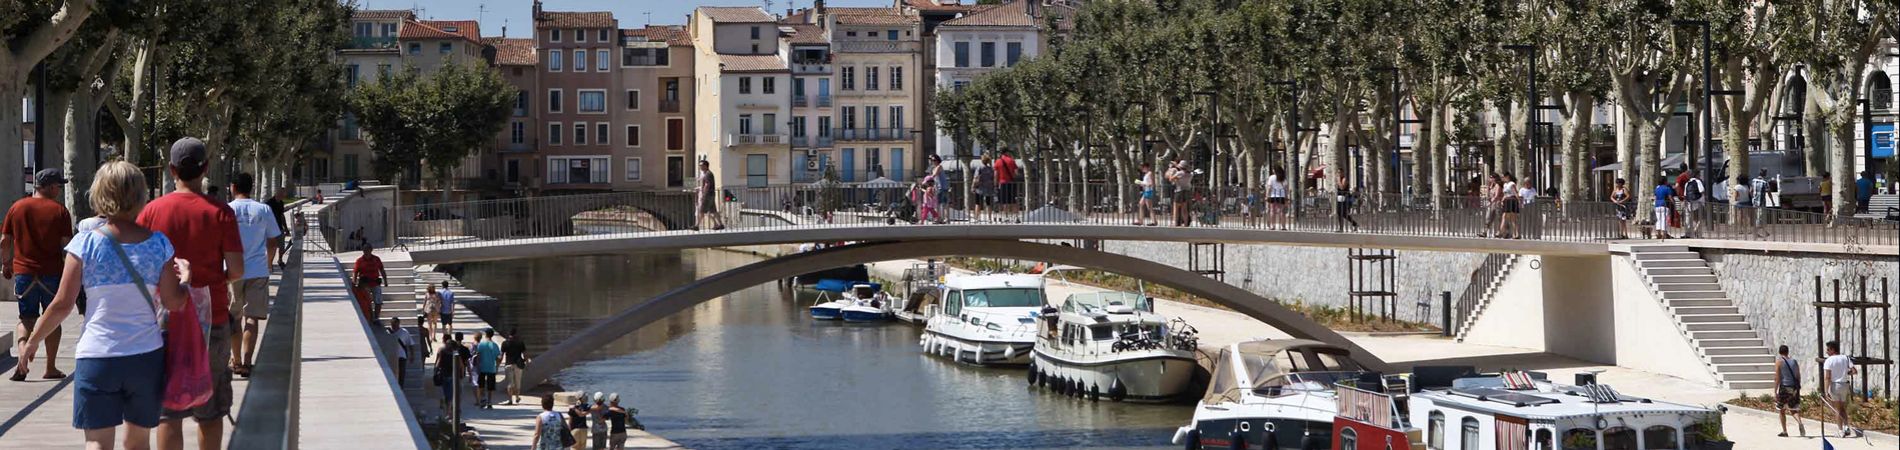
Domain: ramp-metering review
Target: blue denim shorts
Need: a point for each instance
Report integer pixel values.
(35, 293)
(111, 391)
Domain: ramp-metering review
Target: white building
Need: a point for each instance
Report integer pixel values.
(981, 42)
(744, 96)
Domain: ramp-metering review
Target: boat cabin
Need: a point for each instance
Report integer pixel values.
(1518, 411)
(979, 299)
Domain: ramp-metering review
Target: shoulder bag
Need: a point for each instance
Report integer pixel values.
(187, 355)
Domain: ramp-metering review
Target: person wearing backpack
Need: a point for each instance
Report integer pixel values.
(1693, 196)
(550, 429)
(129, 272)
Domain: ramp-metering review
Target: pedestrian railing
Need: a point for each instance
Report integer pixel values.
(900, 202)
(269, 415)
(1475, 288)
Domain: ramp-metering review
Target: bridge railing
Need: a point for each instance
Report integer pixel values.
(807, 204)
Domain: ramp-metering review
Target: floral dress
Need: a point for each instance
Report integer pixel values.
(550, 437)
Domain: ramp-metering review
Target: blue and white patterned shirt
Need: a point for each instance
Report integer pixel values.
(119, 320)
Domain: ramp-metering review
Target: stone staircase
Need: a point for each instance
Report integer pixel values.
(1488, 292)
(399, 291)
(1691, 293)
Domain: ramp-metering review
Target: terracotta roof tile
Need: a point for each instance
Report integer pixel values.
(930, 6)
(397, 14)
(1013, 14)
(872, 16)
(595, 19)
(750, 63)
(736, 14)
(808, 35)
(674, 35)
(513, 52)
(438, 29)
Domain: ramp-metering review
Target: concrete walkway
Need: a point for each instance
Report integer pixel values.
(38, 413)
(348, 394)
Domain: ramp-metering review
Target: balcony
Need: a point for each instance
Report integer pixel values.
(739, 139)
(373, 43)
(799, 101)
(810, 68)
(669, 106)
(871, 134)
(875, 47)
(811, 141)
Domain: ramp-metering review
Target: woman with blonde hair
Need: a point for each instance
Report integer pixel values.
(130, 277)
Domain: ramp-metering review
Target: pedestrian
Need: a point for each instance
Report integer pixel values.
(941, 182)
(597, 422)
(1741, 202)
(1625, 206)
(1249, 207)
(1788, 390)
(986, 180)
(32, 235)
(370, 274)
(617, 418)
(1342, 205)
(1148, 197)
(1006, 180)
(432, 310)
(1693, 195)
(1277, 199)
(203, 231)
(707, 189)
(1182, 179)
(1526, 199)
(119, 363)
(1827, 192)
(577, 422)
(1863, 191)
(1839, 389)
(1664, 195)
(548, 426)
(1491, 195)
(405, 346)
(250, 296)
(277, 208)
(1511, 204)
(1759, 187)
(514, 354)
(487, 364)
(444, 368)
(447, 313)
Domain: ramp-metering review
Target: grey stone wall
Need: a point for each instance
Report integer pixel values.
(1318, 276)
(1775, 292)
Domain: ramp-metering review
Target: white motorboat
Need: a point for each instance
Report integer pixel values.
(1112, 344)
(830, 307)
(985, 319)
(1270, 394)
(866, 304)
(1459, 408)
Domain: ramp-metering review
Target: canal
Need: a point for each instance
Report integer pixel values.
(751, 370)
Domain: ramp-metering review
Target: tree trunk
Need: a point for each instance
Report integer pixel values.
(1841, 152)
(1813, 132)
(12, 140)
(1422, 157)
(144, 58)
(1436, 147)
(1628, 142)
(81, 155)
(1341, 159)
(53, 144)
(1649, 169)
(1576, 143)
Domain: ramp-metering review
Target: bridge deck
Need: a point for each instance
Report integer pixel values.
(348, 393)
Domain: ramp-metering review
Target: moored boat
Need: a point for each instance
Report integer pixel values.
(1112, 345)
(985, 319)
(1270, 394)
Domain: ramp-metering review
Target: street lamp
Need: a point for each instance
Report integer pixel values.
(1708, 85)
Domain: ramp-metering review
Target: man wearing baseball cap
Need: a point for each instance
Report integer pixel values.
(32, 239)
(204, 232)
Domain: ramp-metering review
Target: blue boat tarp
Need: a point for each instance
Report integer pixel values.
(837, 285)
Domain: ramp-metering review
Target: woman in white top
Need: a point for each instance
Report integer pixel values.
(1507, 227)
(129, 274)
(1147, 183)
(547, 426)
(1276, 199)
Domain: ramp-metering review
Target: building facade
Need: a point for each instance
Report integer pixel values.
(374, 52)
(877, 63)
(976, 44)
(744, 99)
(654, 118)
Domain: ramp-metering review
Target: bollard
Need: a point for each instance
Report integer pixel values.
(1444, 300)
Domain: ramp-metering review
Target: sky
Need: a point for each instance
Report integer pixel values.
(493, 14)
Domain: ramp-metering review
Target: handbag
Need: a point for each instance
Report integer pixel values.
(187, 352)
(567, 434)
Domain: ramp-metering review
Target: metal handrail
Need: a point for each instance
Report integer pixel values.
(271, 409)
(1475, 288)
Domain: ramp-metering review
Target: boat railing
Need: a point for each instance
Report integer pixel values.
(1368, 406)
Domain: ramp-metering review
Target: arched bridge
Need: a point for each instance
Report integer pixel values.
(546, 216)
(705, 289)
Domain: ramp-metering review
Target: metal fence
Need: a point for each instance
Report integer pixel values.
(1494, 264)
(894, 203)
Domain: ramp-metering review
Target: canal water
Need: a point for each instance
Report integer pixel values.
(752, 370)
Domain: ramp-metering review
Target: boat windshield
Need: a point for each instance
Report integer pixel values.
(1002, 298)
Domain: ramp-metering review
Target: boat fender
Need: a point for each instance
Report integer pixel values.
(1032, 374)
(1239, 442)
(1009, 353)
(1193, 440)
(1117, 391)
(1043, 380)
(1095, 392)
(1063, 387)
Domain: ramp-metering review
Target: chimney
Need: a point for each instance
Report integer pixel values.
(1031, 7)
(537, 10)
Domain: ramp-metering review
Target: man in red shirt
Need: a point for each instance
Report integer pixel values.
(204, 232)
(31, 241)
(1005, 167)
(369, 278)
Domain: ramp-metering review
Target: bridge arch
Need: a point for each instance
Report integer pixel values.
(705, 289)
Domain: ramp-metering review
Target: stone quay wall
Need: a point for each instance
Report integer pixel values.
(1776, 293)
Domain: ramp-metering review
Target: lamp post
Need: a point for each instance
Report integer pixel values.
(1708, 160)
(1213, 136)
(1035, 145)
(1082, 166)
(1530, 115)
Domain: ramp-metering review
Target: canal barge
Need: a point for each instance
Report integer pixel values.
(1512, 411)
(1113, 345)
(987, 319)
